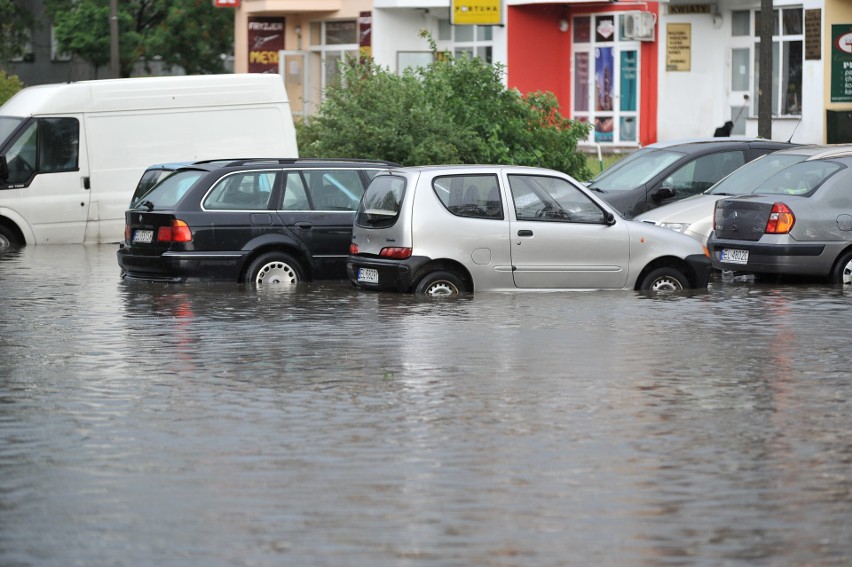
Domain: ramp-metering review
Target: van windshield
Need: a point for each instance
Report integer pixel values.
(169, 191)
(8, 124)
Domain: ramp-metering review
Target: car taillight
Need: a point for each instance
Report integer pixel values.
(127, 232)
(178, 231)
(396, 253)
(353, 248)
(781, 219)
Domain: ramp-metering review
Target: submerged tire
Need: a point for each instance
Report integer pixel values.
(274, 268)
(8, 239)
(842, 274)
(664, 279)
(440, 283)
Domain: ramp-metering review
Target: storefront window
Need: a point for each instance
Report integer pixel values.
(787, 58)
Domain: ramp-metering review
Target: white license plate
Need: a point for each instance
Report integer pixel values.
(368, 275)
(732, 256)
(143, 236)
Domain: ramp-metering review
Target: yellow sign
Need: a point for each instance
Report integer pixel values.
(480, 12)
(678, 47)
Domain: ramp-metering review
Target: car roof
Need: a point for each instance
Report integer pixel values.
(699, 144)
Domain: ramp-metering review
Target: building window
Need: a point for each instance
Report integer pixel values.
(605, 78)
(476, 41)
(330, 43)
(787, 58)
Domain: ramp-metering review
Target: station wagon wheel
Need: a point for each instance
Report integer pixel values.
(274, 268)
(664, 279)
(842, 274)
(440, 283)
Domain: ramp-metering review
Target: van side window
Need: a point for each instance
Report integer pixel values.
(541, 198)
(58, 144)
(472, 196)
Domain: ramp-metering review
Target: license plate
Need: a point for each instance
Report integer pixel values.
(368, 275)
(732, 256)
(143, 236)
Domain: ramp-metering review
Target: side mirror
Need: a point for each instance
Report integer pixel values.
(4, 169)
(609, 218)
(664, 192)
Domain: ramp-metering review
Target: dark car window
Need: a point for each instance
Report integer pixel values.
(150, 178)
(799, 179)
(698, 175)
(636, 169)
(541, 198)
(472, 196)
(166, 194)
(334, 189)
(243, 191)
(295, 194)
(380, 206)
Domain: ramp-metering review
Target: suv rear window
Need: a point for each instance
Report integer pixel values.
(381, 203)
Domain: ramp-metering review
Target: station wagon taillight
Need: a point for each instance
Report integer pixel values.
(178, 231)
(396, 253)
(781, 219)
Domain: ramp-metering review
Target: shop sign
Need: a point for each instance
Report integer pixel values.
(226, 3)
(265, 40)
(476, 12)
(841, 63)
(678, 47)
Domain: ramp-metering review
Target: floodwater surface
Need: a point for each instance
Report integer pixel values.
(220, 425)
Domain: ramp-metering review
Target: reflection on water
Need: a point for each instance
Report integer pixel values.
(216, 424)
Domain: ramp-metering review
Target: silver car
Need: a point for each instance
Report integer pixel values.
(798, 222)
(693, 216)
(463, 228)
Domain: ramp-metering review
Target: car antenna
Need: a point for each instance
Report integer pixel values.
(790, 139)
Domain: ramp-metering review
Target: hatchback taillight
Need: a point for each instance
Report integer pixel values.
(781, 219)
(178, 231)
(396, 253)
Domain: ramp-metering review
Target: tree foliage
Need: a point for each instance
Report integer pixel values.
(15, 25)
(456, 110)
(192, 34)
(9, 85)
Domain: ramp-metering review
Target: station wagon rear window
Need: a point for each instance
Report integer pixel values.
(166, 194)
(381, 203)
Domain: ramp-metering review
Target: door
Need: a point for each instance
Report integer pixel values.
(293, 67)
(561, 239)
(48, 182)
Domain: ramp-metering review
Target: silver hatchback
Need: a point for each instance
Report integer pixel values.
(462, 228)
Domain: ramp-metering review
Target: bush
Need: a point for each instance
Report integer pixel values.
(9, 85)
(456, 110)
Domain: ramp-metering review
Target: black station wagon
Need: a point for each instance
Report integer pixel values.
(254, 221)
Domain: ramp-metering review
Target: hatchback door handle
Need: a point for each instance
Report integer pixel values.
(304, 225)
(525, 233)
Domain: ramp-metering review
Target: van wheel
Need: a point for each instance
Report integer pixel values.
(274, 268)
(440, 283)
(8, 240)
(664, 279)
(842, 274)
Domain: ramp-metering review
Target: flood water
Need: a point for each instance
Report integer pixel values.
(218, 425)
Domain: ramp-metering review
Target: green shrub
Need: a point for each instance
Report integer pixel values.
(9, 85)
(456, 110)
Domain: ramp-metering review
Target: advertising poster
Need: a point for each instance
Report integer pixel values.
(603, 93)
(265, 39)
(365, 35)
(841, 63)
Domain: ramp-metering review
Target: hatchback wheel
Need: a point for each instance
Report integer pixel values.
(274, 268)
(440, 284)
(664, 279)
(842, 273)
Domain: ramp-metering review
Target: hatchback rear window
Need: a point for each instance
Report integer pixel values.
(166, 194)
(381, 203)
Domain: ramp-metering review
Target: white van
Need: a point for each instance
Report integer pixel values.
(72, 154)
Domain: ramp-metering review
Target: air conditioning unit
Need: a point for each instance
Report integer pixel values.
(639, 25)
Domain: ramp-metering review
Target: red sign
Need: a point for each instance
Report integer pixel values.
(226, 3)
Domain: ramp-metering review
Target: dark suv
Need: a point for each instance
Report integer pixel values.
(250, 220)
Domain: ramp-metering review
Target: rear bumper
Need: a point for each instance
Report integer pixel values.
(181, 266)
(394, 275)
(770, 258)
